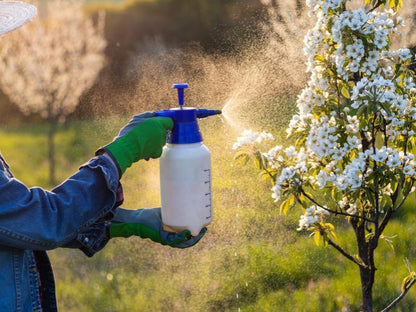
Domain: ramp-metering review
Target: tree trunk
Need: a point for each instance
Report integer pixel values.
(367, 273)
(366, 289)
(51, 150)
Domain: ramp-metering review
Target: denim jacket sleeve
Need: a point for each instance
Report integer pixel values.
(96, 236)
(33, 218)
(91, 240)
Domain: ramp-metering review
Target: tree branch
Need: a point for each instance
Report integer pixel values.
(345, 254)
(334, 211)
(400, 297)
(379, 2)
(403, 199)
(389, 214)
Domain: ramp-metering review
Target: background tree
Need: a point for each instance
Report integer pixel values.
(50, 62)
(354, 133)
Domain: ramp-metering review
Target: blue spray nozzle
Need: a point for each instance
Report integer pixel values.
(202, 113)
(180, 87)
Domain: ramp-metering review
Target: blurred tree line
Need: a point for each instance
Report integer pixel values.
(215, 26)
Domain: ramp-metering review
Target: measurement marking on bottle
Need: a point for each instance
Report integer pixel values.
(208, 193)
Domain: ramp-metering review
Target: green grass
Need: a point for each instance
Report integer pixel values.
(251, 259)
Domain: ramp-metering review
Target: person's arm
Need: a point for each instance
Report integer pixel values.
(33, 218)
(38, 219)
(97, 235)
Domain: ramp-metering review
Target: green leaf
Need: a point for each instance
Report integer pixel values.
(331, 230)
(259, 158)
(311, 185)
(406, 281)
(285, 206)
(386, 202)
(242, 156)
(317, 238)
(336, 194)
(302, 201)
(345, 92)
(269, 173)
(388, 240)
(360, 111)
(407, 262)
(329, 226)
(370, 197)
(320, 58)
(385, 107)
(395, 4)
(397, 66)
(407, 186)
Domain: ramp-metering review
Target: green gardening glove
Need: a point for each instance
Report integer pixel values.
(147, 223)
(142, 138)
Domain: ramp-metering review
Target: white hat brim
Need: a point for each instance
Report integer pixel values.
(15, 14)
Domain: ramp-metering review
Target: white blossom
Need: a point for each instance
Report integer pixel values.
(249, 137)
(272, 154)
(353, 125)
(348, 206)
(276, 191)
(409, 170)
(380, 155)
(311, 216)
(393, 159)
(404, 54)
(409, 83)
(322, 178)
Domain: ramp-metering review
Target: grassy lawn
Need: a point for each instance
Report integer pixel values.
(252, 259)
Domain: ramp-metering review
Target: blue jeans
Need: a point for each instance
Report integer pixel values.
(33, 220)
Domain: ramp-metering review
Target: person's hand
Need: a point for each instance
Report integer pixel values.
(147, 223)
(142, 138)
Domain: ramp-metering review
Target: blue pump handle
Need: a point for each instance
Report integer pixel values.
(180, 87)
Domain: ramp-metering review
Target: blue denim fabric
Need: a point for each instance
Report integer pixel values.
(33, 220)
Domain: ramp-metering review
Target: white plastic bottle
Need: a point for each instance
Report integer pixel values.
(185, 170)
(185, 185)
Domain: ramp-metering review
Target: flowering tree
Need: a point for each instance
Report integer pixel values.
(47, 64)
(354, 132)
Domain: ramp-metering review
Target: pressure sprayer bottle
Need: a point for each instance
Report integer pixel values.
(185, 170)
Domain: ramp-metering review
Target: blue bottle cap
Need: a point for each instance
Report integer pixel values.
(185, 126)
